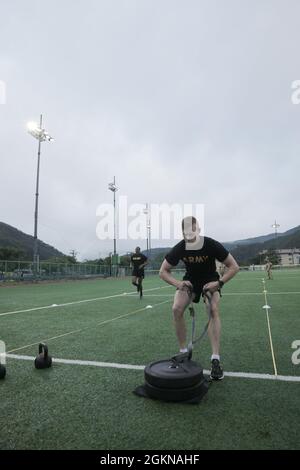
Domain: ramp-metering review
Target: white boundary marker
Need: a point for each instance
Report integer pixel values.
(79, 301)
(95, 325)
(243, 375)
(278, 275)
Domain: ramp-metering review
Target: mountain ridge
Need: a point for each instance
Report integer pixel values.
(11, 237)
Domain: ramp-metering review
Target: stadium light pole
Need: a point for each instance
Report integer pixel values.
(148, 226)
(146, 211)
(112, 187)
(41, 135)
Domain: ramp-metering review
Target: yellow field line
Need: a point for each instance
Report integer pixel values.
(266, 306)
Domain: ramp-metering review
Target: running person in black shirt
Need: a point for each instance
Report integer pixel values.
(138, 261)
(199, 255)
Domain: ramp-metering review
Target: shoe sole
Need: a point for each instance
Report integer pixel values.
(217, 378)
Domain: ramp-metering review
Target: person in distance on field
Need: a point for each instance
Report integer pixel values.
(138, 262)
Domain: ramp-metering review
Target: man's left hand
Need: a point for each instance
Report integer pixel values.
(212, 286)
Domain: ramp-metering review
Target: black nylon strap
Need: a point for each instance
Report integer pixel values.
(188, 355)
(194, 341)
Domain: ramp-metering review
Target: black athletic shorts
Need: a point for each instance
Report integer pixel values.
(198, 284)
(138, 273)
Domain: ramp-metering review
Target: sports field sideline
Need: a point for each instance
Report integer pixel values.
(101, 335)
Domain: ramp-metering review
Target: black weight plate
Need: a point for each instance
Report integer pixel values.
(169, 374)
(177, 395)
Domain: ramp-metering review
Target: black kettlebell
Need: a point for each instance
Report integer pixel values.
(2, 371)
(43, 360)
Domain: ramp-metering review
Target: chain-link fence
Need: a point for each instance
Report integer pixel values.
(23, 270)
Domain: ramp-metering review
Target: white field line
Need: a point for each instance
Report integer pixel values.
(259, 293)
(129, 293)
(257, 279)
(79, 301)
(245, 375)
(87, 327)
(224, 294)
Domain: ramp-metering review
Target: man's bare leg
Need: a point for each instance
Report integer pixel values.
(181, 300)
(214, 329)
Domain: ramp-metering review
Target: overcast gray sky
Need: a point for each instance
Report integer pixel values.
(183, 101)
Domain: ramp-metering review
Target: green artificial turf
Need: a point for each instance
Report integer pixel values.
(74, 406)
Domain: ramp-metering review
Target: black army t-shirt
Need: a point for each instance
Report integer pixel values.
(198, 263)
(137, 259)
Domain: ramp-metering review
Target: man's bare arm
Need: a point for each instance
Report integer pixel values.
(166, 275)
(232, 268)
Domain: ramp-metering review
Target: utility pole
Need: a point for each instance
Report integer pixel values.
(148, 227)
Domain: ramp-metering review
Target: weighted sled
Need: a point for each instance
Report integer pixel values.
(178, 379)
(173, 374)
(43, 360)
(177, 395)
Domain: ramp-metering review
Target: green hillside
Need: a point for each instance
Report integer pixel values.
(261, 239)
(245, 250)
(245, 253)
(22, 244)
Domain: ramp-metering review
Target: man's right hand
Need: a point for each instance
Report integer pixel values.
(185, 286)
